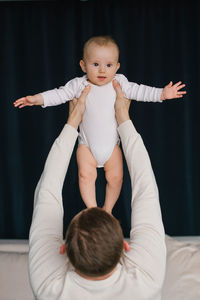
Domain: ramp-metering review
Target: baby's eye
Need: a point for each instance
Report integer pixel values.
(95, 64)
(109, 65)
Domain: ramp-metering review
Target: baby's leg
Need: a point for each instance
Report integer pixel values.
(114, 175)
(87, 175)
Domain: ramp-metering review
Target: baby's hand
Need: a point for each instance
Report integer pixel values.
(29, 101)
(171, 91)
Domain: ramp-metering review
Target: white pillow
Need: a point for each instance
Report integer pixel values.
(182, 280)
(14, 280)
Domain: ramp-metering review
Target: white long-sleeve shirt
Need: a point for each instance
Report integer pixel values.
(139, 275)
(98, 129)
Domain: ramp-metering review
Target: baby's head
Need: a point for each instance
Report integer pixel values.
(100, 59)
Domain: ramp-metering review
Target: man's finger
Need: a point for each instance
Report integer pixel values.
(118, 88)
(74, 101)
(83, 96)
(86, 90)
(71, 106)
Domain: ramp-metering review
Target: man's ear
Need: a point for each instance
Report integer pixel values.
(126, 246)
(82, 64)
(62, 249)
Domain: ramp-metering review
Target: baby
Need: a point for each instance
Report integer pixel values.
(98, 137)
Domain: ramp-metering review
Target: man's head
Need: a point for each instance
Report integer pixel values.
(100, 59)
(94, 242)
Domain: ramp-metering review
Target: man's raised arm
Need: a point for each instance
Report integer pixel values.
(46, 233)
(147, 238)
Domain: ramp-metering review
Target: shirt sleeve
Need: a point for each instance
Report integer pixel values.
(64, 93)
(139, 92)
(147, 237)
(46, 266)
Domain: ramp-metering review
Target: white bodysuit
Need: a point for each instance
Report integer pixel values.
(98, 129)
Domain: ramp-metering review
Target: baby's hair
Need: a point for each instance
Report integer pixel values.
(101, 40)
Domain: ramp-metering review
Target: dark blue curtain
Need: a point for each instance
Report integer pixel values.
(40, 48)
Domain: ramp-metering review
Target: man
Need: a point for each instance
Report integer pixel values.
(95, 266)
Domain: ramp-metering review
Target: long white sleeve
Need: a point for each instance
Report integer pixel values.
(147, 236)
(138, 92)
(47, 268)
(65, 93)
(74, 87)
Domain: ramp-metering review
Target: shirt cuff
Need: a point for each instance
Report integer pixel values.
(159, 92)
(44, 100)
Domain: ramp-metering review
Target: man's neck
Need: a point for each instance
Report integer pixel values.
(96, 278)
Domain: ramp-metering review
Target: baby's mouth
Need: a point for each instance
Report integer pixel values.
(101, 77)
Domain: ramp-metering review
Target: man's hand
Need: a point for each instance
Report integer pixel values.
(171, 91)
(29, 101)
(77, 108)
(122, 104)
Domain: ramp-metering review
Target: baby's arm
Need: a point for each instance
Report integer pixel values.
(147, 93)
(29, 101)
(52, 97)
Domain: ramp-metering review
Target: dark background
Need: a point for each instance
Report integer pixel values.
(40, 48)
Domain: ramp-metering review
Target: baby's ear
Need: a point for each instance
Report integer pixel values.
(82, 64)
(118, 66)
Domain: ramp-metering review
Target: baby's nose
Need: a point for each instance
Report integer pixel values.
(102, 69)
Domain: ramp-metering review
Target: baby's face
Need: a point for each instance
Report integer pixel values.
(100, 63)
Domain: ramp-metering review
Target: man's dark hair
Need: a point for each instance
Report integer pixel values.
(94, 242)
